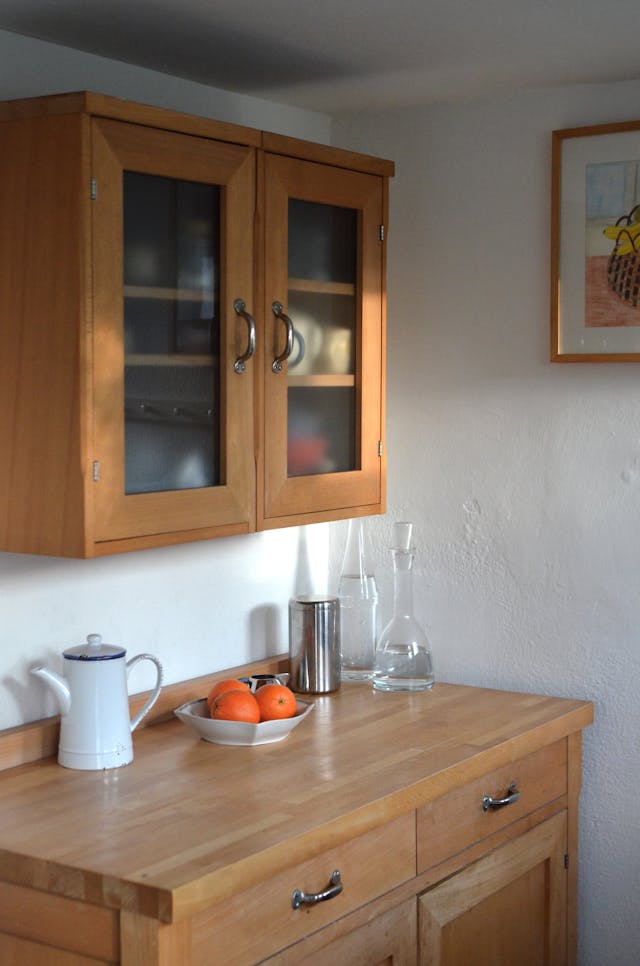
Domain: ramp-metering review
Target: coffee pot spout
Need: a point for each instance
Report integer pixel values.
(58, 684)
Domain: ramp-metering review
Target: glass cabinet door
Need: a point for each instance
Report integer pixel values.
(172, 231)
(323, 368)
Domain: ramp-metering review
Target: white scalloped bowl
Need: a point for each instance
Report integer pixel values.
(195, 714)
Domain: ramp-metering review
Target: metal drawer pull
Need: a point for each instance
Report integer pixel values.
(334, 888)
(240, 309)
(512, 796)
(278, 310)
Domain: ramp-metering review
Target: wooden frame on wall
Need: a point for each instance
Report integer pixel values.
(595, 244)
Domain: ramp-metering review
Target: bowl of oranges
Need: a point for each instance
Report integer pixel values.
(236, 712)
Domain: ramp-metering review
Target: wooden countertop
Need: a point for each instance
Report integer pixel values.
(189, 822)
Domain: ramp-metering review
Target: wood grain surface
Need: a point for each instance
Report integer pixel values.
(189, 823)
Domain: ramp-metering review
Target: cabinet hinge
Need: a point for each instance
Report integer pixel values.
(96, 471)
(381, 232)
(379, 447)
(566, 860)
(94, 189)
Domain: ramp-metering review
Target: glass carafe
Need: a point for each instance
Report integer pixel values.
(403, 657)
(358, 596)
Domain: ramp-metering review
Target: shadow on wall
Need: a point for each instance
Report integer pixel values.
(29, 697)
(265, 632)
(268, 628)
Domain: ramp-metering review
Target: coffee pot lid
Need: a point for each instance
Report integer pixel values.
(94, 650)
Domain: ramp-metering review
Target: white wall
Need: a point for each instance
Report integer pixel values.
(199, 607)
(29, 68)
(523, 478)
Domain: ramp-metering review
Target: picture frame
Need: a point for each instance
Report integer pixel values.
(595, 244)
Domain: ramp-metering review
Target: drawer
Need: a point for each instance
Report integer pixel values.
(39, 924)
(249, 927)
(456, 821)
(22, 952)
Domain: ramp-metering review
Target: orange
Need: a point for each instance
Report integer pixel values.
(229, 684)
(275, 701)
(235, 706)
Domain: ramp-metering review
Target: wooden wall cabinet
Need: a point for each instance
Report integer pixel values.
(143, 254)
(190, 855)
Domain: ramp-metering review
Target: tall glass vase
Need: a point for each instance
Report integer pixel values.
(358, 596)
(403, 656)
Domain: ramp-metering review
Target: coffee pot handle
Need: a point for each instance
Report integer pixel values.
(156, 690)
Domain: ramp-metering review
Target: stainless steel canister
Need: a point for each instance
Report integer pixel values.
(314, 644)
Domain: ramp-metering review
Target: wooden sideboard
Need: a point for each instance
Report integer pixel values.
(190, 855)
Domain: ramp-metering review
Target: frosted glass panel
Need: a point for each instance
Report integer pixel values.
(322, 303)
(171, 333)
(322, 242)
(321, 427)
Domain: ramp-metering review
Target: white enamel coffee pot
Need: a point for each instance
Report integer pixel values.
(95, 730)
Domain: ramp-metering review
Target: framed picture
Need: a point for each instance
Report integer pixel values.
(595, 244)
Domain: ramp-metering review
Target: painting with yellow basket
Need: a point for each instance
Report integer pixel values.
(595, 244)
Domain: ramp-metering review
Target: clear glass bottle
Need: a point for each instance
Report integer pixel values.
(403, 657)
(358, 596)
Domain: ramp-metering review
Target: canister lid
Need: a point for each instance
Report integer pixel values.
(313, 600)
(94, 650)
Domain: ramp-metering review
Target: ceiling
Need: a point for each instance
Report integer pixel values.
(343, 55)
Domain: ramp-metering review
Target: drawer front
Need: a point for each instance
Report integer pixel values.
(43, 920)
(456, 821)
(22, 952)
(260, 921)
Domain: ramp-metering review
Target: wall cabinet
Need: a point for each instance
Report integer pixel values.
(193, 329)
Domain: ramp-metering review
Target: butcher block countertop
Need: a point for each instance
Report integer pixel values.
(189, 823)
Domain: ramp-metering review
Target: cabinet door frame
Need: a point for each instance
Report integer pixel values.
(229, 507)
(288, 500)
(441, 905)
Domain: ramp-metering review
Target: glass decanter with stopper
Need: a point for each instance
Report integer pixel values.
(358, 595)
(403, 657)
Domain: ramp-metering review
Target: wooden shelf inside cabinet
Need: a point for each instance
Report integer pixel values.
(166, 293)
(321, 382)
(321, 287)
(160, 411)
(170, 359)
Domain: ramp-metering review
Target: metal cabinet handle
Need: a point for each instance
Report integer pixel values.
(512, 796)
(334, 888)
(278, 310)
(240, 363)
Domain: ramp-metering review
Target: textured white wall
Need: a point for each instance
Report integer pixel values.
(523, 478)
(199, 607)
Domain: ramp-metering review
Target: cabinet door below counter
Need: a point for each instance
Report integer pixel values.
(510, 906)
